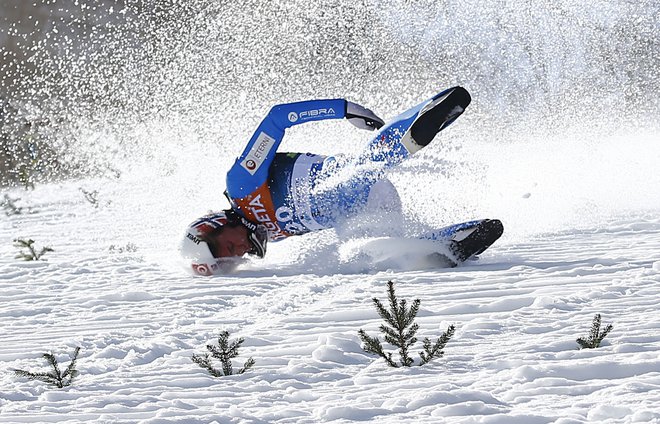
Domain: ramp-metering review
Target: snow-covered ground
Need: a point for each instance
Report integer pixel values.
(113, 287)
(560, 143)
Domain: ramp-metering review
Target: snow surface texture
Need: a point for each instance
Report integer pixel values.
(560, 143)
(138, 319)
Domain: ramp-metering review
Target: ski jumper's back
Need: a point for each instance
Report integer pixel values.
(288, 192)
(259, 183)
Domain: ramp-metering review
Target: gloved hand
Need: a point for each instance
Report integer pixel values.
(362, 117)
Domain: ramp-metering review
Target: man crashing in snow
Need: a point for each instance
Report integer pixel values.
(276, 195)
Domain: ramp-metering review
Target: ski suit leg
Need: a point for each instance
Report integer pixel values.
(342, 188)
(345, 188)
(383, 198)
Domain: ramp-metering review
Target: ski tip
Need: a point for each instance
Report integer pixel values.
(495, 227)
(486, 233)
(462, 96)
(436, 115)
(459, 94)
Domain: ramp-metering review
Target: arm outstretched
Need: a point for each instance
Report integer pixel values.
(250, 171)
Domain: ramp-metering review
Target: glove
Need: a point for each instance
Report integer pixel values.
(362, 117)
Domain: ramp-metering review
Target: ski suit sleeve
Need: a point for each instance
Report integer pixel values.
(250, 171)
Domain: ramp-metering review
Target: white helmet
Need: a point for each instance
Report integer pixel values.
(197, 248)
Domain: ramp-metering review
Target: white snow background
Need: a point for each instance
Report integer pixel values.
(574, 178)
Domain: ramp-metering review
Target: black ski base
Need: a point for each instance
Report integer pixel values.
(478, 241)
(432, 121)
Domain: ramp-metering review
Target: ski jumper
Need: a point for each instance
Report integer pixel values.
(295, 193)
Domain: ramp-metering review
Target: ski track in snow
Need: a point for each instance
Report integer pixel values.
(138, 320)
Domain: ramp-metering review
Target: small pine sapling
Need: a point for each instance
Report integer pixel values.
(595, 335)
(399, 318)
(26, 174)
(401, 332)
(9, 205)
(225, 351)
(91, 196)
(56, 377)
(31, 254)
(129, 248)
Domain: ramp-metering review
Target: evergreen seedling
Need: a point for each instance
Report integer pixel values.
(399, 330)
(56, 377)
(91, 197)
(26, 175)
(129, 248)
(225, 351)
(31, 254)
(595, 335)
(10, 207)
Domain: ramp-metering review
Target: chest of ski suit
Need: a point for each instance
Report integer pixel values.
(273, 188)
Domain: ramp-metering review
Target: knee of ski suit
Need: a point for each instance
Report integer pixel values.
(383, 197)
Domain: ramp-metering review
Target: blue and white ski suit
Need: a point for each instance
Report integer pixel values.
(295, 193)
